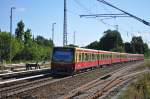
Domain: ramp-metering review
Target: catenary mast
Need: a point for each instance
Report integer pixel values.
(65, 24)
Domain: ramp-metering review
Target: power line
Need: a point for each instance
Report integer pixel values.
(82, 6)
(104, 15)
(102, 19)
(90, 12)
(131, 15)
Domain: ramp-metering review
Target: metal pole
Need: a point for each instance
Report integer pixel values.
(116, 26)
(65, 25)
(11, 12)
(53, 24)
(74, 38)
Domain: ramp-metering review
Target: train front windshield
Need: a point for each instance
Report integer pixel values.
(62, 55)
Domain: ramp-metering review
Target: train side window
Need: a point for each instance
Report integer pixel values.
(97, 56)
(80, 57)
(78, 60)
(92, 57)
(104, 56)
(88, 57)
(83, 57)
(111, 56)
(76, 57)
(100, 56)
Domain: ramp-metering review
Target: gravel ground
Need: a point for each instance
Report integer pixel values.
(62, 87)
(118, 90)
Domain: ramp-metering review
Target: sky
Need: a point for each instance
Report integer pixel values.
(38, 15)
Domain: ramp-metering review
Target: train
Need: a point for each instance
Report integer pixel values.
(71, 60)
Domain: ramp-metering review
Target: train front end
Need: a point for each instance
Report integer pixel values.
(63, 61)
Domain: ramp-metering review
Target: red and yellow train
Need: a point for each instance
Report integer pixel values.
(66, 60)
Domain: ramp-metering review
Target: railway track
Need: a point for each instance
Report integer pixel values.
(31, 85)
(103, 85)
(28, 84)
(15, 89)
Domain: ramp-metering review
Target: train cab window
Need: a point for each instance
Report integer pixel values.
(63, 55)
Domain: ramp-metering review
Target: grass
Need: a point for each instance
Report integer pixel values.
(140, 89)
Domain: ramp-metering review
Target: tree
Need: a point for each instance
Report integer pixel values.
(145, 48)
(111, 40)
(19, 32)
(42, 41)
(137, 45)
(93, 45)
(27, 36)
(128, 47)
(4, 45)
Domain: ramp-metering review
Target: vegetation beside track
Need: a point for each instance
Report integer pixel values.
(140, 89)
(24, 46)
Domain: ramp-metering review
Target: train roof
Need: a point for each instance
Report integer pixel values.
(93, 50)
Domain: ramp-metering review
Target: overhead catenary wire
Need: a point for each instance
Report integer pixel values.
(105, 15)
(82, 6)
(90, 12)
(101, 19)
(131, 15)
